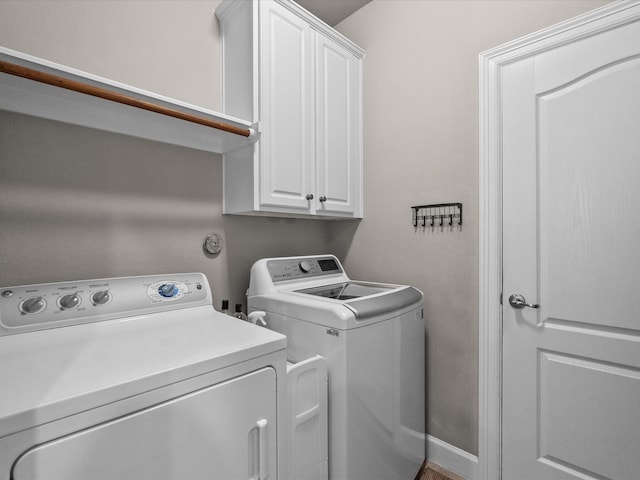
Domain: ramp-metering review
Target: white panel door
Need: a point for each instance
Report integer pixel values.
(227, 431)
(338, 141)
(286, 149)
(571, 230)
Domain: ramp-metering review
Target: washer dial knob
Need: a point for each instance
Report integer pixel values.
(67, 302)
(304, 266)
(33, 305)
(168, 290)
(101, 298)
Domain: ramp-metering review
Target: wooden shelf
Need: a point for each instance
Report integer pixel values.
(45, 89)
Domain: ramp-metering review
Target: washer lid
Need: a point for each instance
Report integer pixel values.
(50, 374)
(310, 305)
(376, 305)
(347, 290)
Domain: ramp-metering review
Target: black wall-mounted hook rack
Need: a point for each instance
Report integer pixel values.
(437, 215)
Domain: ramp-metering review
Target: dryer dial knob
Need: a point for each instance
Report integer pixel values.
(33, 305)
(69, 301)
(168, 290)
(101, 298)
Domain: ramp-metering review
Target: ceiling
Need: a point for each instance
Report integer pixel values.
(332, 12)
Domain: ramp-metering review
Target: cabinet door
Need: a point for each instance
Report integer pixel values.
(338, 147)
(286, 150)
(221, 432)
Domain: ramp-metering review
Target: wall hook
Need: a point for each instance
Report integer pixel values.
(437, 210)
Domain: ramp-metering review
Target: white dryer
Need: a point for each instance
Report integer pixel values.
(135, 378)
(372, 336)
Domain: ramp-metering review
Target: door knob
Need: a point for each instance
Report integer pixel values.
(518, 301)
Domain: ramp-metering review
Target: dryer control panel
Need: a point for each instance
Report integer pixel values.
(50, 305)
(303, 267)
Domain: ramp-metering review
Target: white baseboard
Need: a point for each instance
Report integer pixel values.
(452, 458)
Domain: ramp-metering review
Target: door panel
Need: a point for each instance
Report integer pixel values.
(589, 196)
(219, 433)
(571, 368)
(572, 388)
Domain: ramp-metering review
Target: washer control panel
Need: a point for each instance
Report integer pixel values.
(50, 305)
(282, 269)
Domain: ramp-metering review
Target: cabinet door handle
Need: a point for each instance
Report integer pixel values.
(309, 196)
(323, 199)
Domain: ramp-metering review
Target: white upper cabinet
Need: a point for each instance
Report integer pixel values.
(300, 81)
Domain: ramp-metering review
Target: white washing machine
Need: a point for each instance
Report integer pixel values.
(372, 336)
(135, 378)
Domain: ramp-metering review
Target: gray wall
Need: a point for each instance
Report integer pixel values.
(421, 147)
(77, 203)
